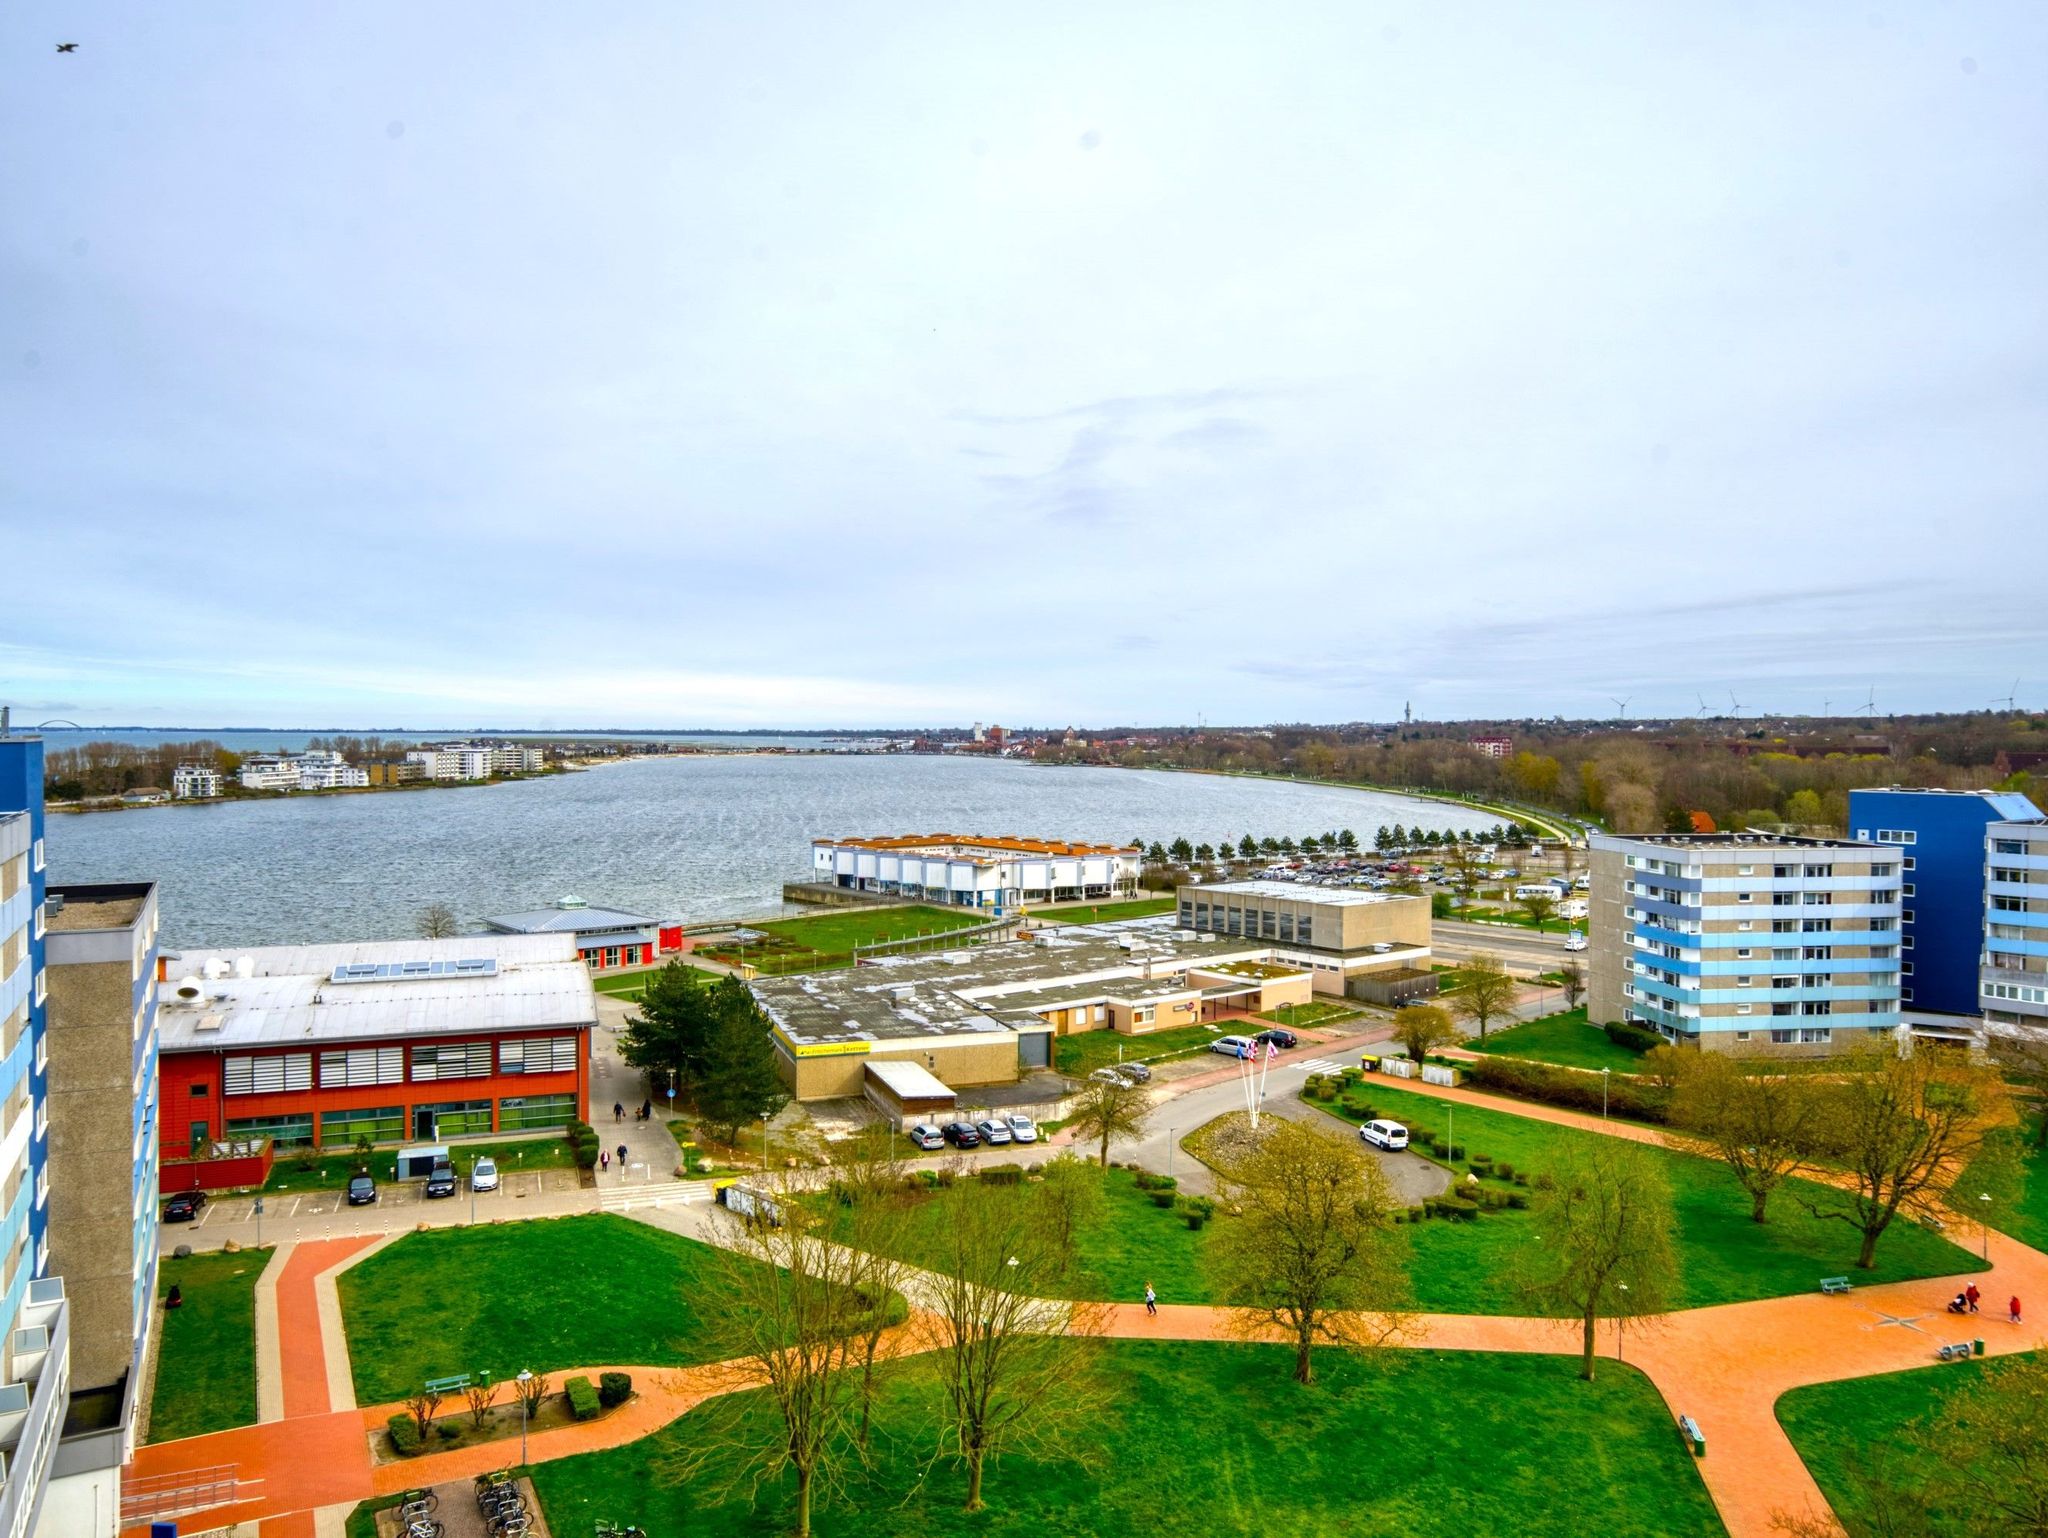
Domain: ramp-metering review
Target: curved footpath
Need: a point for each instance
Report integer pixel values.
(307, 1464)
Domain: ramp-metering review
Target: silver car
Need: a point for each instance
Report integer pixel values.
(993, 1132)
(1022, 1129)
(483, 1175)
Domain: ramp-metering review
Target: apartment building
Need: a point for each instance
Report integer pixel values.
(1748, 943)
(330, 771)
(266, 772)
(395, 771)
(473, 761)
(1940, 837)
(195, 782)
(2013, 975)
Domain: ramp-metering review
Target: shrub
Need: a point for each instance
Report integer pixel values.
(1543, 1181)
(614, 1389)
(405, 1436)
(582, 1396)
(1195, 1210)
(1491, 1199)
(1366, 1111)
(1400, 1214)
(1421, 1134)
(1438, 1148)
(1162, 1198)
(1573, 1088)
(1460, 1207)
(1417, 1213)
(1455, 1150)
(1350, 1076)
(1633, 1037)
(586, 1156)
(1505, 1170)
(1519, 1200)
(1311, 1084)
(1003, 1174)
(946, 1177)
(1521, 1177)
(1482, 1164)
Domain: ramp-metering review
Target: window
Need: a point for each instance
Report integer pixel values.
(1743, 1009)
(1742, 954)
(268, 1075)
(284, 1131)
(540, 1054)
(524, 1113)
(1784, 872)
(2008, 846)
(1187, 914)
(381, 1124)
(1817, 872)
(1287, 927)
(1905, 942)
(1142, 1014)
(1269, 923)
(1745, 982)
(459, 1118)
(1817, 1007)
(1745, 870)
(1905, 917)
(459, 1060)
(1906, 967)
(1742, 1036)
(1784, 1037)
(1304, 932)
(1809, 1035)
(1907, 890)
(1897, 836)
(1784, 982)
(1742, 923)
(1743, 897)
(362, 1065)
(1885, 870)
(1817, 953)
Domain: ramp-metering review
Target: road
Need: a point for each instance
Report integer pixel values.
(1521, 949)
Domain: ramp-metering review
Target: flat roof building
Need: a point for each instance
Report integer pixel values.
(2013, 980)
(1341, 934)
(976, 871)
(606, 938)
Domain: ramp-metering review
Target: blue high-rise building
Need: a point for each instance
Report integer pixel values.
(1940, 838)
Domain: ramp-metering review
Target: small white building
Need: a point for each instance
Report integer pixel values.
(964, 870)
(264, 772)
(195, 782)
(334, 774)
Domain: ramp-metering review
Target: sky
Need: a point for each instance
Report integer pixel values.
(661, 364)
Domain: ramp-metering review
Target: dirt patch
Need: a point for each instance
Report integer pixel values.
(1227, 1139)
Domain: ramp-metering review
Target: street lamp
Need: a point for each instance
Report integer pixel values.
(1982, 1196)
(1603, 1093)
(1620, 1323)
(525, 1377)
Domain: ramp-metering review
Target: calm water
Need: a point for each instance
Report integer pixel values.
(695, 838)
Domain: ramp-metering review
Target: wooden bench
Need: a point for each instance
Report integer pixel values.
(1956, 1351)
(1695, 1439)
(1834, 1284)
(447, 1385)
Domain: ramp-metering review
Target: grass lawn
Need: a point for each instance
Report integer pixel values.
(1203, 1440)
(630, 985)
(1104, 913)
(206, 1366)
(1565, 1039)
(827, 940)
(1724, 1257)
(547, 1294)
(1315, 1012)
(1512, 917)
(1081, 1054)
(2026, 1218)
(1132, 1242)
(330, 1169)
(1834, 1426)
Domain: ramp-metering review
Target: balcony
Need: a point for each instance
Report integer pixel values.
(32, 1407)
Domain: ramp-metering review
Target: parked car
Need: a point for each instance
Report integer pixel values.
(927, 1137)
(1574, 941)
(1022, 1129)
(1232, 1046)
(184, 1207)
(362, 1190)
(1279, 1036)
(1135, 1073)
(1390, 1135)
(993, 1132)
(483, 1175)
(441, 1181)
(961, 1134)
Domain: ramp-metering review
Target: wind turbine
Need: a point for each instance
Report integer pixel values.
(2011, 697)
(1870, 708)
(1621, 704)
(1734, 705)
(1703, 704)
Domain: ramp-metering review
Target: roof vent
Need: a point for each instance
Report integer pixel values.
(245, 966)
(188, 988)
(210, 1022)
(570, 902)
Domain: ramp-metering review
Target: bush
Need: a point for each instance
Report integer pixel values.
(1455, 1150)
(1417, 1213)
(1633, 1037)
(1438, 1148)
(1574, 1088)
(586, 1156)
(1505, 1170)
(1195, 1210)
(945, 1177)
(1461, 1207)
(1421, 1134)
(1350, 1076)
(1482, 1164)
(1521, 1177)
(1518, 1200)
(1543, 1182)
(1003, 1174)
(405, 1436)
(582, 1396)
(614, 1389)
(1162, 1198)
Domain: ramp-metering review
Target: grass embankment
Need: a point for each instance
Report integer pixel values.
(1564, 1038)
(1208, 1439)
(1836, 1425)
(206, 1353)
(630, 985)
(1081, 1054)
(2022, 1209)
(1317, 1012)
(548, 1294)
(330, 1169)
(1468, 1267)
(815, 944)
(1107, 913)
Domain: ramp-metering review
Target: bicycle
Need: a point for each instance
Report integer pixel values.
(422, 1528)
(422, 1498)
(612, 1530)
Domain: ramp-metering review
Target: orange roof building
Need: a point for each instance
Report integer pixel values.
(996, 872)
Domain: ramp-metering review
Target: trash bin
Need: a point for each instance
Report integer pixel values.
(1978, 1345)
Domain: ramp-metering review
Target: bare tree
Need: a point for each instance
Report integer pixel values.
(1108, 1108)
(1312, 1249)
(436, 921)
(421, 1406)
(1465, 865)
(1016, 1367)
(868, 1170)
(1900, 1128)
(480, 1397)
(531, 1392)
(1604, 1245)
(1572, 978)
(1486, 993)
(1765, 1127)
(1423, 1028)
(1071, 1198)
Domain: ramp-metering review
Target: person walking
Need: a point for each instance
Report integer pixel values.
(622, 1161)
(1151, 1301)
(2014, 1306)
(618, 1111)
(604, 1160)
(1973, 1295)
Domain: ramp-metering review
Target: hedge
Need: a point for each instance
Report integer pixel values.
(582, 1396)
(1573, 1088)
(405, 1436)
(614, 1389)
(1634, 1037)
(1003, 1174)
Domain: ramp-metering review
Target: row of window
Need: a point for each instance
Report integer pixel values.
(1251, 923)
(391, 1124)
(357, 1066)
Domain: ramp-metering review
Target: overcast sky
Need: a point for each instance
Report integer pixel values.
(665, 364)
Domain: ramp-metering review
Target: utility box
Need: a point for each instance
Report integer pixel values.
(417, 1162)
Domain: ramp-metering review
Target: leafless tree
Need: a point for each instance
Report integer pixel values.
(1604, 1237)
(1486, 993)
(436, 921)
(1109, 1108)
(421, 1406)
(1572, 978)
(480, 1397)
(532, 1392)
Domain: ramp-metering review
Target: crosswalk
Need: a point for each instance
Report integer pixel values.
(1321, 1065)
(668, 1193)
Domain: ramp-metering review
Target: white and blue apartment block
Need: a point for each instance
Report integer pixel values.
(1749, 943)
(2013, 978)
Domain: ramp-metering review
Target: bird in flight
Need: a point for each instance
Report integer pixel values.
(67, 48)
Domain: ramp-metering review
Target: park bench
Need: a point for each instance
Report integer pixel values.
(447, 1385)
(1834, 1284)
(1695, 1439)
(1956, 1351)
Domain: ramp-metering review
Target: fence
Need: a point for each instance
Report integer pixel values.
(157, 1496)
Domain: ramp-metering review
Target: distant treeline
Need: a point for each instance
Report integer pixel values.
(111, 768)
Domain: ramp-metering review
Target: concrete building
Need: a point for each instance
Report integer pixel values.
(2013, 976)
(329, 771)
(606, 938)
(1940, 838)
(391, 1040)
(195, 782)
(1492, 747)
(967, 870)
(265, 772)
(1342, 936)
(394, 771)
(1746, 942)
(102, 951)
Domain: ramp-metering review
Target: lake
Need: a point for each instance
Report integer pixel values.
(693, 838)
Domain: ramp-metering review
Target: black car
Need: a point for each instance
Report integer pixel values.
(442, 1181)
(1279, 1037)
(184, 1207)
(961, 1134)
(362, 1190)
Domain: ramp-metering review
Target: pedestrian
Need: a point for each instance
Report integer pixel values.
(604, 1160)
(1151, 1301)
(618, 1111)
(622, 1159)
(2015, 1307)
(647, 1110)
(1973, 1295)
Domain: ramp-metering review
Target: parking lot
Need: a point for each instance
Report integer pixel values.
(227, 1210)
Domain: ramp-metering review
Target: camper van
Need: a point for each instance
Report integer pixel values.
(1535, 889)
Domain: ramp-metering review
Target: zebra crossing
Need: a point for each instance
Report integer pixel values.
(1321, 1065)
(668, 1193)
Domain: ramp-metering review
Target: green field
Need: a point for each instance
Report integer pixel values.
(330, 1169)
(1130, 1243)
(1725, 1258)
(1563, 1038)
(547, 1294)
(630, 985)
(1209, 1440)
(206, 1353)
(828, 939)
(1081, 1054)
(1835, 1426)
(1104, 913)
(2024, 1213)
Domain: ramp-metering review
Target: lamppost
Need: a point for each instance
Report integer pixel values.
(525, 1377)
(1982, 1196)
(1169, 1153)
(1603, 1093)
(764, 1145)
(1620, 1323)
(258, 1209)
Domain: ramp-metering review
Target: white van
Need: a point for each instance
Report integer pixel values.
(1575, 941)
(1390, 1135)
(1536, 889)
